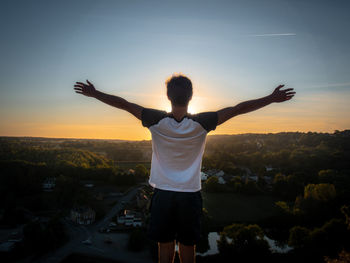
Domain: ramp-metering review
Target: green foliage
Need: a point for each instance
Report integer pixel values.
(283, 207)
(346, 212)
(238, 241)
(141, 172)
(212, 185)
(288, 152)
(320, 192)
(343, 257)
(327, 176)
(327, 240)
(287, 187)
(251, 188)
(317, 205)
(225, 208)
(298, 237)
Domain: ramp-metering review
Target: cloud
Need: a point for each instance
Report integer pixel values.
(272, 35)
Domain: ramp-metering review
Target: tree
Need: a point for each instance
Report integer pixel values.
(212, 185)
(343, 257)
(243, 241)
(141, 171)
(327, 240)
(298, 237)
(320, 192)
(327, 176)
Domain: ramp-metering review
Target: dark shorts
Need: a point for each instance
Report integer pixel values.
(175, 216)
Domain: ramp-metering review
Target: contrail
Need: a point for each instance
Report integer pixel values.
(273, 35)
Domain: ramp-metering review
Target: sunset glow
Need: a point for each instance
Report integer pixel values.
(232, 52)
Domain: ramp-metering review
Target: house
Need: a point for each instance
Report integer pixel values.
(204, 176)
(49, 184)
(269, 168)
(221, 180)
(83, 215)
(215, 172)
(218, 173)
(254, 178)
(130, 218)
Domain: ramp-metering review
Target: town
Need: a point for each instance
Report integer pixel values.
(64, 200)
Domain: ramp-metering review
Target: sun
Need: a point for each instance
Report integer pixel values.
(191, 109)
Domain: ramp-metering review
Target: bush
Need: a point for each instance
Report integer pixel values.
(243, 241)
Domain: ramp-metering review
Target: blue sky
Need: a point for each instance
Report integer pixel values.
(232, 51)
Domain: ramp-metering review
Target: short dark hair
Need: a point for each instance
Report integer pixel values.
(179, 89)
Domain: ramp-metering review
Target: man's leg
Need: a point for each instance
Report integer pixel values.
(166, 252)
(187, 253)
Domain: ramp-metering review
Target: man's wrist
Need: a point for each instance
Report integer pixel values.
(271, 98)
(94, 93)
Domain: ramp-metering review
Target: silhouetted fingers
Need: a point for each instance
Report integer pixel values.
(81, 83)
(78, 89)
(290, 93)
(80, 92)
(286, 90)
(89, 83)
(279, 87)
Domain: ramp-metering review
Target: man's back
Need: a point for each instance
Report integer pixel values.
(178, 147)
(178, 141)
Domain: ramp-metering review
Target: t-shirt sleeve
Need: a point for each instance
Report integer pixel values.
(151, 117)
(208, 120)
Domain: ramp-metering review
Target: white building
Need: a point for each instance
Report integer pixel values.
(129, 218)
(83, 215)
(221, 180)
(204, 176)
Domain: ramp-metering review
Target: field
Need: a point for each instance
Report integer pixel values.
(226, 208)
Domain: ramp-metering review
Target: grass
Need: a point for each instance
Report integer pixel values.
(226, 208)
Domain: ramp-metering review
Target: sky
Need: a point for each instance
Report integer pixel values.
(231, 50)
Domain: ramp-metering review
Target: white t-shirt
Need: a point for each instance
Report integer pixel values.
(178, 148)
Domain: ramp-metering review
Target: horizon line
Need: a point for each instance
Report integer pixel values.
(224, 134)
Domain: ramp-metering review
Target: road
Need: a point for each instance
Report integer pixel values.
(117, 250)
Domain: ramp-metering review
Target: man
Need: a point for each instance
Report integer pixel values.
(178, 140)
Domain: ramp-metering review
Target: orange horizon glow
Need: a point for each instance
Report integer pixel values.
(139, 133)
(91, 119)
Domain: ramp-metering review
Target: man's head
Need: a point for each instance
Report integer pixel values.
(179, 90)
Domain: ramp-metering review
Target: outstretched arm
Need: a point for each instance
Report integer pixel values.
(277, 95)
(115, 101)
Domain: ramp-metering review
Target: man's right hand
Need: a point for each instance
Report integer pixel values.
(85, 89)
